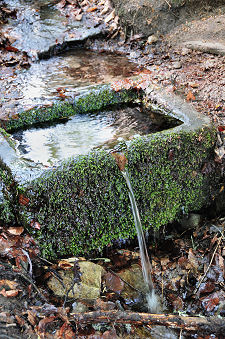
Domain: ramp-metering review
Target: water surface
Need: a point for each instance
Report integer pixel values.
(84, 132)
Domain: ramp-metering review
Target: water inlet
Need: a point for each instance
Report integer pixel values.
(153, 302)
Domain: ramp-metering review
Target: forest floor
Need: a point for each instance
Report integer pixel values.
(188, 263)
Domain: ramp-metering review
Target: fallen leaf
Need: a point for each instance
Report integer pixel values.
(15, 230)
(221, 128)
(65, 265)
(66, 332)
(164, 261)
(44, 322)
(104, 305)
(34, 224)
(176, 301)
(206, 287)
(10, 283)
(190, 96)
(210, 302)
(113, 282)
(192, 260)
(20, 320)
(10, 48)
(32, 317)
(92, 9)
(9, 294)
(23, 200)
(194, 85)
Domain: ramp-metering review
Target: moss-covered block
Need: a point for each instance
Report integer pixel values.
(91, 101)
(83, 205)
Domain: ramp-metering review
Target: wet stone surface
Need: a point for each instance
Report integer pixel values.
(62, 77)
(83, 132)
(40, 29)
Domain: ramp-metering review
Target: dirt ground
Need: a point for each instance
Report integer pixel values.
(188, 264)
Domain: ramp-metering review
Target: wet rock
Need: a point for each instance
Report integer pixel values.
(41, 29)
(207, 47)
(88, 288)
(133, 278)
(193, 220)
(152, 39)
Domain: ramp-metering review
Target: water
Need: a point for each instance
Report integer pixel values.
(153, 302)
(83, 132)
(74, 71)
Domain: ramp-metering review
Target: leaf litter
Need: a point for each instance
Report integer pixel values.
(188, 268)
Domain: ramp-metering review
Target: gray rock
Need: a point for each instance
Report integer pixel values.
(41, 30)
(192, 221)
(207, 47)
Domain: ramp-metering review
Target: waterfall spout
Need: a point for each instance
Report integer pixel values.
(152, 298)
(154, 305)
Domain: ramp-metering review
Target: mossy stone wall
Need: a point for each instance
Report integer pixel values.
(84, 204)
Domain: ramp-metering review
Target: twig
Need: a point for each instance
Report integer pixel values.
(194, 324)
(46, 261)
(33, 284)
(203, 277)
(168, 3)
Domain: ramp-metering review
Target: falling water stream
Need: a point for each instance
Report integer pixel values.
(152, 299)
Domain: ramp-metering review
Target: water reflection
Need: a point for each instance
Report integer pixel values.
(84, 132)
(71, 71)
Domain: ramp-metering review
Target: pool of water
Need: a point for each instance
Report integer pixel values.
(84, 132)
(62, 77)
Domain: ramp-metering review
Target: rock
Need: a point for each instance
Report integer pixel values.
(192, 221)
(88, 288)
(206, 46)
(133, 276)
(79, 307)
(48, 30)
(185, 51)
(151, 39)
(176, 65)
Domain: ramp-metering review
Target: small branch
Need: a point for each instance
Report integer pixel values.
(196, 324)
(203, 277)
(33, 284)
(168, 3)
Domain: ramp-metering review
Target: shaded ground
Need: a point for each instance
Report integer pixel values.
(188, 273)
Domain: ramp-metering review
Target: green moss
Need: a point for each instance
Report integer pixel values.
(8, 195)
(84, 205)
(8, 137)
(90, 102)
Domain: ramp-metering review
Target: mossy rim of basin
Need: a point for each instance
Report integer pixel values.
(83, 205)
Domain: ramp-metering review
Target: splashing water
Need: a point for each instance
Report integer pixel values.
(153, 302)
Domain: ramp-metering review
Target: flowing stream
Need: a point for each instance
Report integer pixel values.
(152, 299)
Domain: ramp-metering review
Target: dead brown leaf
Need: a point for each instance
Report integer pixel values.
(15, 230)
(190, 96)
(11, 284)
(9, 294)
